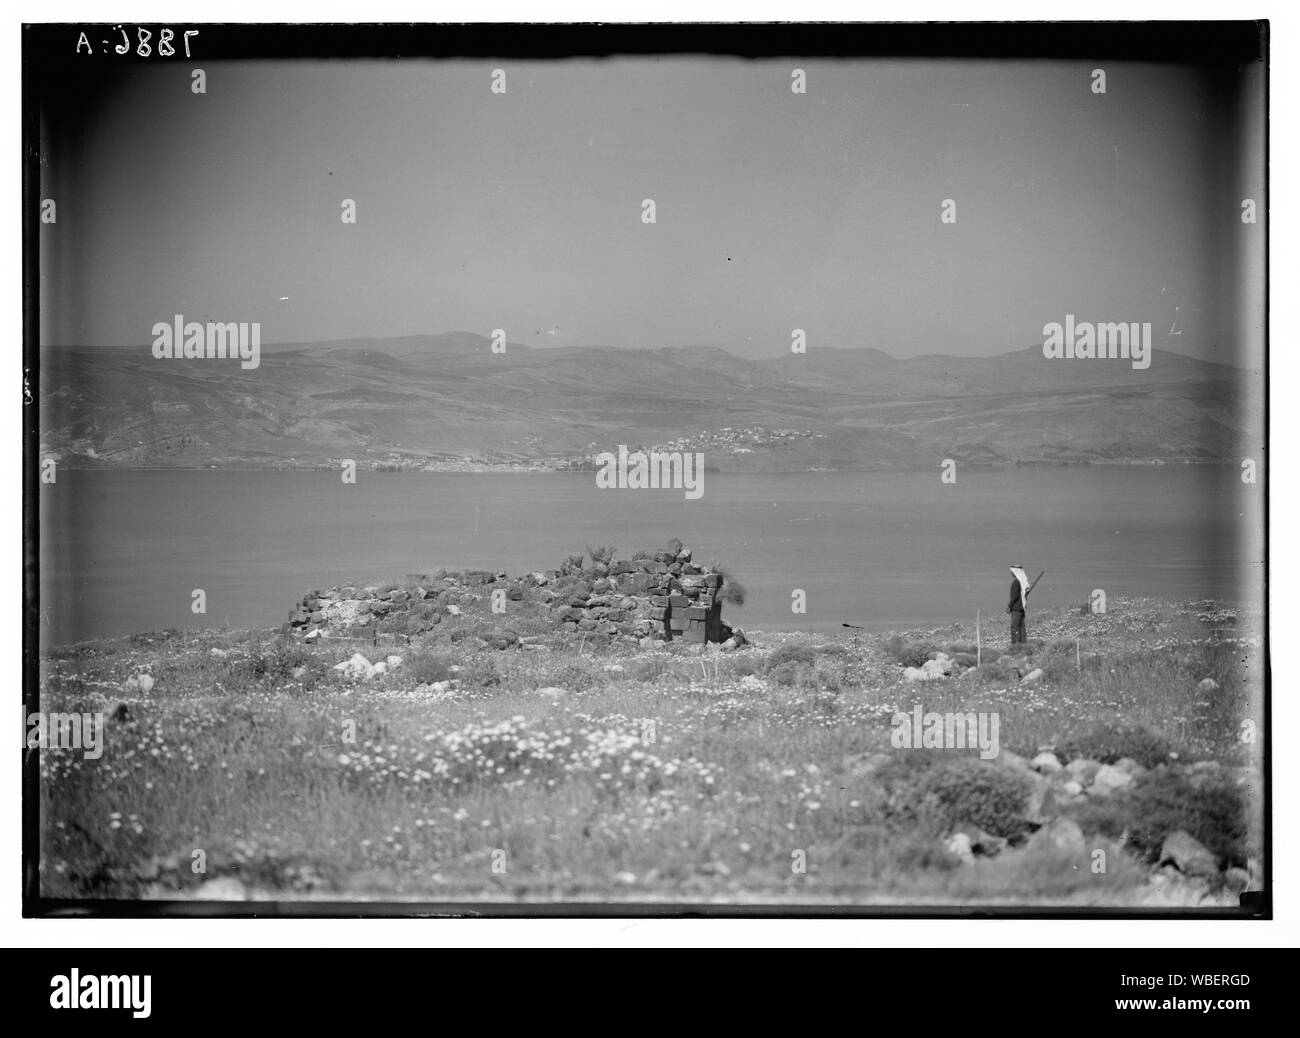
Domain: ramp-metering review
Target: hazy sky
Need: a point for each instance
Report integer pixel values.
(522, 211)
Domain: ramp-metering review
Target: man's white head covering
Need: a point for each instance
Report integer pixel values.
(1018, 572)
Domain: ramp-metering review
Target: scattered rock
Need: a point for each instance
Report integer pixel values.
(1072, 788)
(1108, 779)
(139, 683)
(1207, 685)
(1132, 767)
(554, 692)
(1061, 836)
(1040, 806)
(1083, 770)
(1046, 763)
(1034, 675)
(936, 668)
(959, 845)
(218, 654)
(356, 667)
(1188, 854)
(314, 635)
(982, 843)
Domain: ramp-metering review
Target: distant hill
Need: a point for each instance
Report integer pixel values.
(439, 399)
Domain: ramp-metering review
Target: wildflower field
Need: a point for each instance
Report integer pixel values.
(250, 768)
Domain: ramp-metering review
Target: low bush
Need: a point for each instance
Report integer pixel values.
(939, 793)
(1108, 743)
(1163, 801)
(428, 668)
(907, 652)
(783, 654)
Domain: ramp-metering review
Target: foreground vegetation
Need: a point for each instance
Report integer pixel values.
(252, 768)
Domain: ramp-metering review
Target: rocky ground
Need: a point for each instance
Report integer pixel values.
(518, 757)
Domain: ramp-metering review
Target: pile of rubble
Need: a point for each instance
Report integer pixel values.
(654, 596)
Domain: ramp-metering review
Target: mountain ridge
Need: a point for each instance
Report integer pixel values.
(447, 400)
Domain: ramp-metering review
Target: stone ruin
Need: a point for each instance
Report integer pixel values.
(655, 596)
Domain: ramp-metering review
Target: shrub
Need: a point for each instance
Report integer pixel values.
(938, 794)
(601, 554)
(1108, 743)
(575, 677)
(907, 652)
(480, 672)
(791, 654)
(572, 564)
(916, 852)
(675, 546)
(426, 669)
(744, 665)
(650, 670)
(1162, 801)
(825, 678)
(788, 674)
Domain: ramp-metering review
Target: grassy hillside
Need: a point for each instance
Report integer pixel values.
(768, 774)
(425, 399)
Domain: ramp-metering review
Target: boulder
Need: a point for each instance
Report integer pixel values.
(1207, 685)
(932, 669)
(1061, 836)
(1109, 779)
(1041, 802)
(1083, 770)
(959, 845)
(356, 667)
(1034, 675)
(1046, 763)
(982, 843)
(500, 639)
(1188, 854)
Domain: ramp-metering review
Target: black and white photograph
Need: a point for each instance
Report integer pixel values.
(754, 469)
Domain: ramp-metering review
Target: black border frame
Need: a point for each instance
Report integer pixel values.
(51, 48)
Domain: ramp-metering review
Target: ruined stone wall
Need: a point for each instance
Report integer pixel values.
(659, 595)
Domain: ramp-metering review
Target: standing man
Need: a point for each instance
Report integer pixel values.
(1016, 607)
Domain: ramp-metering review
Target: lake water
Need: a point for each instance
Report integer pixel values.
(122, 551)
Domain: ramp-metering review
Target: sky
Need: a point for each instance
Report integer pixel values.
(774, 210)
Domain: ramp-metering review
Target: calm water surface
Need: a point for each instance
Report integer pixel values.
(122, 551)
